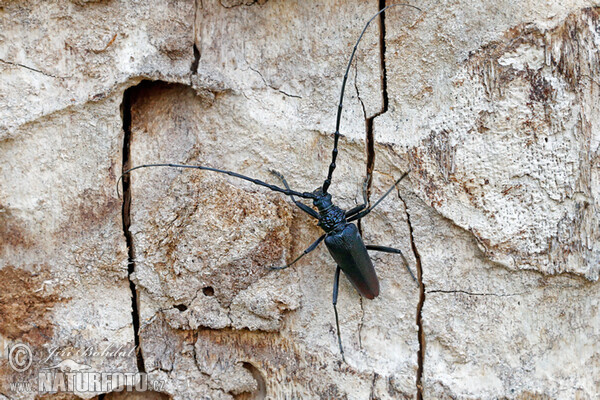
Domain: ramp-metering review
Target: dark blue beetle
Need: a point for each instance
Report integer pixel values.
(341, 236)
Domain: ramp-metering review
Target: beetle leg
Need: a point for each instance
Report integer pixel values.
(302, 206)
(395, 251)
(361, 207)
(362, 214)
(305, 252)
(336, 282)
(355, 210)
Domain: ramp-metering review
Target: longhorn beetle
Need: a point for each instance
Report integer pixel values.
(341, 236)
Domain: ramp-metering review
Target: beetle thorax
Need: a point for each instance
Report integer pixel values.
(331, 217)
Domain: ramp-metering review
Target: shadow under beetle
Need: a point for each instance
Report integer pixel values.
(341, 236)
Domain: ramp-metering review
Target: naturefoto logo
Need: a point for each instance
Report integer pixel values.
(20, 357)
(71, 376)
(95, 382)
(70, 366)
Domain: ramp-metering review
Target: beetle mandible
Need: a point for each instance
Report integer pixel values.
(341, 236)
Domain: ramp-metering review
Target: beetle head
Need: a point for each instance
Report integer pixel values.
(323, 200)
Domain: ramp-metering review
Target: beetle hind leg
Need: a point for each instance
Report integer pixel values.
(305, 252)
(336, 282)
(385, 249)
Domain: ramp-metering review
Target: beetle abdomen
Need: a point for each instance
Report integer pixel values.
(349, 251)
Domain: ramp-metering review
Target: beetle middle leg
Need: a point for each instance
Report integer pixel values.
(386, 249)
(305, 252)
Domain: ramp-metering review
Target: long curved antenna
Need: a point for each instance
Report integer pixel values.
(288, 192)
(340, 107)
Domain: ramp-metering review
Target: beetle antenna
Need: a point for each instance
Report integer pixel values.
(340, 107)
(288, 192)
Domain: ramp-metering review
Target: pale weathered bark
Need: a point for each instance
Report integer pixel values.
(492, 106)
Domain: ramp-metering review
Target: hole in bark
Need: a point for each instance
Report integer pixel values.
(180, 307)
(208, 291)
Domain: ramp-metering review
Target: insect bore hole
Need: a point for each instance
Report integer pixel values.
(180, 307)
(208, 291)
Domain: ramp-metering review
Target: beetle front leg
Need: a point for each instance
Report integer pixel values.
(336, 284)
(362, 214)
(300, 205)
(360, 207)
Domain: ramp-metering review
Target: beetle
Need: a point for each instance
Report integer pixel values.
(341, 236)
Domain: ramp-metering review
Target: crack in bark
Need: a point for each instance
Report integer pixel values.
(370, 141)
(268, 85)
(243, 3)
(359, 222)
(477, 294)
(370, 155)
(384, 95)
(370, 136)
(373, 382)
(287, 94)
(31, 69)
(361, 323)
(422, 292)
(370, 149)
(128, 95)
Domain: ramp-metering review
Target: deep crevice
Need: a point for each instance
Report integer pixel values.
(384, 94)
(195, 49)
(369, 135)
(131, 96)
(196, 62)
(370, 167)
(421, 334)
(135, 316)
(369, 121)
(382, 55)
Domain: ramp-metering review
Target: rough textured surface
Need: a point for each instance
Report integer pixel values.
(64, 263)
(59, 54)
(493, 106)
(506, 145)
